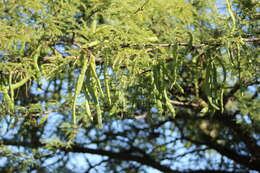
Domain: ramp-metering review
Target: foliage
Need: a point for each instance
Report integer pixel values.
(188, 69)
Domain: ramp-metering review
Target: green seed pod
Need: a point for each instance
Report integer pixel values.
(79, 86)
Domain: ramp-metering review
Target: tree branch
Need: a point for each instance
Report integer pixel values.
(251, 160)
(237, 87)
(123, 155)
(223, 150)
(241, 133)
(251, 39)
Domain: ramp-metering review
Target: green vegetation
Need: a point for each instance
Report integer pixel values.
(167, 84)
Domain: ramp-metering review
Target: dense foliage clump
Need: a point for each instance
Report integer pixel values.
(132, 81)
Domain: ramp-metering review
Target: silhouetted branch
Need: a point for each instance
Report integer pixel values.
(123, 155)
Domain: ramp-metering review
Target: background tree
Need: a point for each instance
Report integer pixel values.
(129, 86)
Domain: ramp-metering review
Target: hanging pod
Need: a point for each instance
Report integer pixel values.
(168, 103)
(94, 93)
(94, 88)
(11, 102)
(106, 80)
(94, 26)
(229, 8)
(175, 69)
(221, 95)
(92, 64)
(230, 53)
(79, 84)
(224, 71)
(190, 44)
(159, 105)
(36, 55)
(221, 92)
(209, 83)
(175, 64)
(155, 75)
(197, 62)
(239, 64)
(98, 107)
(87, 98)
(160, 88)
(8, 100)
(155, 94)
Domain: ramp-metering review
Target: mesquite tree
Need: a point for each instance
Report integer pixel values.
(129, 86)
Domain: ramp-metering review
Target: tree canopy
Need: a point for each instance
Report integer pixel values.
(129, 86)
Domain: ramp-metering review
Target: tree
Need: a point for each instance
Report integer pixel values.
(129, 86)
